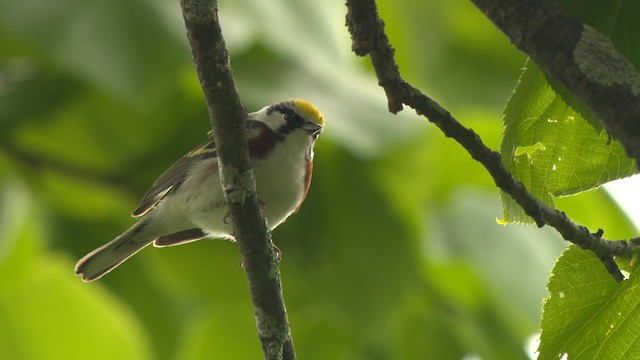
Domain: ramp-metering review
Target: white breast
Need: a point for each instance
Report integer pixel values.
(280, 177)
(280, 184)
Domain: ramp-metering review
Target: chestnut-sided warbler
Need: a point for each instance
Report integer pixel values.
(186, 203)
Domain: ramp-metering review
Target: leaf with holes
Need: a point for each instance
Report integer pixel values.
(551, 149)
(552, 143)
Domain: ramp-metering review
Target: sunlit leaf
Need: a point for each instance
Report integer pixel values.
(552, 143)
(549, 147)
(588, 315)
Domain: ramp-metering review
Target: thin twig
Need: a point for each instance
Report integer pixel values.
(369, 38)
(228, 118)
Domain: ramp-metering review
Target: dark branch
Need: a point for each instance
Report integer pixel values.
(228, 118)
(369, 38)
(584, 60)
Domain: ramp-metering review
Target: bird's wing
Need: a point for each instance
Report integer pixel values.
(174, 176)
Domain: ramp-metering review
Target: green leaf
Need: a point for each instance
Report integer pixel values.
(615, 19)
(552, 142)
(588, 315)
(551, 149)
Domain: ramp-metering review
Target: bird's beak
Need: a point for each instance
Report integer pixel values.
(312, 128)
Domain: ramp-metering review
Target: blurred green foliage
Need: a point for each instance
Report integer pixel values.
(396, 254)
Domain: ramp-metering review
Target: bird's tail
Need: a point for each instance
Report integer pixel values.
(105, 258)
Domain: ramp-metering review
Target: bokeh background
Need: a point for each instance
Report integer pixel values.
(396, 254)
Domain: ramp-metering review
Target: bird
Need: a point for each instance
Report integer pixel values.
(186, 203)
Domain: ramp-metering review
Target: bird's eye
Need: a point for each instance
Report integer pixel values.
(288, 115)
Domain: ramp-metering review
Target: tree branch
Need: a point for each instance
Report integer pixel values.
(369, 38)
(585, 61)
(228, 118)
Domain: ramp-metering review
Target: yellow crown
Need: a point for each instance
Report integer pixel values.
(309, 110)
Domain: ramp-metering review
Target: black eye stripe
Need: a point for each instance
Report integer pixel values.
(293, 120)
